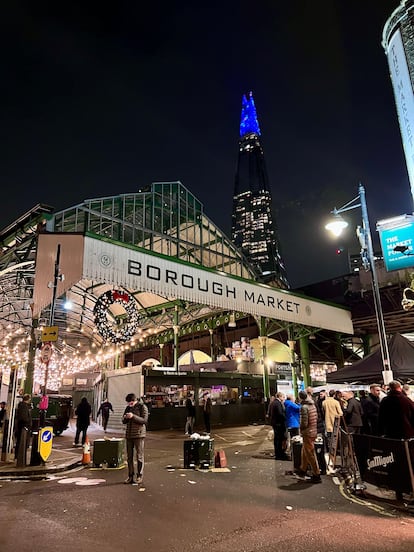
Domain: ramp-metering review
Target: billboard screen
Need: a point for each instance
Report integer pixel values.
(397, 244)
(404, 99)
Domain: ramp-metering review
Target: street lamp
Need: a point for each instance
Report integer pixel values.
(336, 225)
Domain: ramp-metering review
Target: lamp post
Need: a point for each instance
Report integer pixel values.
(368, 261)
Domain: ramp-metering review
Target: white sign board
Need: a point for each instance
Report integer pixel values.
(140, 270)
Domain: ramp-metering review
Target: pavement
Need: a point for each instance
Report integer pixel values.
(60, 459)
(66, 459)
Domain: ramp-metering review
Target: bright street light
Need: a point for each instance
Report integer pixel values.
(368, 260)
(337, 224)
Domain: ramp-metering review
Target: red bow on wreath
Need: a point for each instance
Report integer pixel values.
(120, 295)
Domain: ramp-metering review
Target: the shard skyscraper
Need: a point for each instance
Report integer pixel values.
(253, 225)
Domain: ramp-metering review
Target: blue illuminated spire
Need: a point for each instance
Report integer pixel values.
(248, 121)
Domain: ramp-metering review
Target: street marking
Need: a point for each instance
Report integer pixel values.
(67, 480)
(376, 508)
(216, 435)
(89, 482)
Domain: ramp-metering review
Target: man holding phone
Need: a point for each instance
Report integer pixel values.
(135, 418)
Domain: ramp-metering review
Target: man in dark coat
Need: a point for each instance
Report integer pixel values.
(83, 413)
(23, 422)
(353, 413)
(191, 412)
(2, 413)
(135, 419)
(104, 409)
(277, 418)
(396, 414)
(371, 409)
(207, 407)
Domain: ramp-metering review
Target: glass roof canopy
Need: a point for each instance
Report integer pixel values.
(164, 218)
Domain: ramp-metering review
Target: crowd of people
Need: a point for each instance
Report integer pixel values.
(379, 412)
(311, 416)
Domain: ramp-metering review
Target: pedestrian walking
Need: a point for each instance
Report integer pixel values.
(135, 418)
(83, 413)
(104, 410)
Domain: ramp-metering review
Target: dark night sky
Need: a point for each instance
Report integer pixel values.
(97, 101)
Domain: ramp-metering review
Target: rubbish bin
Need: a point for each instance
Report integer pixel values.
(296, 447)
(198, 453)
(108, 453)
(320, 454)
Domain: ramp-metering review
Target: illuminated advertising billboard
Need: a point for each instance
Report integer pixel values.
(397, 242)
(404, 99)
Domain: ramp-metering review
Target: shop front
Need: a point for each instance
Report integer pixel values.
(237, 399)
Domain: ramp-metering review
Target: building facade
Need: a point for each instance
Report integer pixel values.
(254, 230)
(398, 43)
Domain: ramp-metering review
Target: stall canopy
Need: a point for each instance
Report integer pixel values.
(276, 351)
(194, 356)
(368, 370)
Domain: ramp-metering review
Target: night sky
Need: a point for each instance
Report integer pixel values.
(98, 101)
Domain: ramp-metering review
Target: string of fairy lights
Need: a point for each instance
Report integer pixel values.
(120, 332)
(64, 361)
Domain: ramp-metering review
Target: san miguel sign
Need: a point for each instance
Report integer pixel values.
(140, 270)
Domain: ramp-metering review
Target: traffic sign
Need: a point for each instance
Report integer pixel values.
(45, 442)
(46, 352)
(50, 333)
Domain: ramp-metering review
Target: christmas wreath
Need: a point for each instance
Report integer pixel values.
(122, 327)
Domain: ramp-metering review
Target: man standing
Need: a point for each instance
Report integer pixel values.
(2, 413)
(83, 413)
(277, 416)
(292, 412)
(396, 418)
(308, 430)
(135, 417)
(104, 409)
(207, 405)
(332, 409)
(396, 414)
(371, 409)
(23, 423)
(353, 413)
(191, 412)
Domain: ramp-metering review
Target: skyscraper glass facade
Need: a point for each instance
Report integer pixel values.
(253, 226)
(398, 43)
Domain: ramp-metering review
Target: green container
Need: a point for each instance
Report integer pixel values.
(108, 453)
